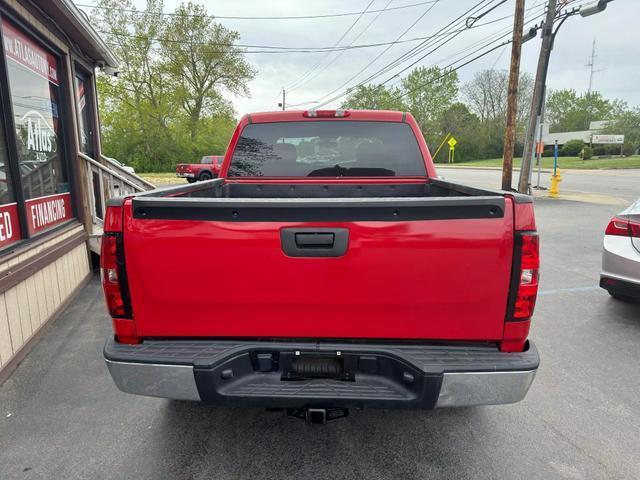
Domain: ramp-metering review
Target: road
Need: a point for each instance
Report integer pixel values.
(62, 418)
(623, 184)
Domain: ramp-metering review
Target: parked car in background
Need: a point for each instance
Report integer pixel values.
(208, 168)
(354, 277)
(621, 255)
(126, 168)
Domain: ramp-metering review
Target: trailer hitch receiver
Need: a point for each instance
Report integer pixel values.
(317, 416)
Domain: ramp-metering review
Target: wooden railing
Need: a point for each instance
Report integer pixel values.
(105, 182)
(122, 170)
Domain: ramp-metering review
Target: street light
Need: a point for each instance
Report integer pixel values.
(591, 9)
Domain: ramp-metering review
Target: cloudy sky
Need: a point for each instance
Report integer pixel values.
(616, 33)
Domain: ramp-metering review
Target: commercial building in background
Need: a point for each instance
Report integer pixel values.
(53, 179)
(591, 136)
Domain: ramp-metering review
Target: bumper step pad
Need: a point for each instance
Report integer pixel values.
(269, 374)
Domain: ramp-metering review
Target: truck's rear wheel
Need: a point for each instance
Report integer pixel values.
(191, 180)
(205, 176)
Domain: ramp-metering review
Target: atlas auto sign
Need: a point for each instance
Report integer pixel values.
(21, 49)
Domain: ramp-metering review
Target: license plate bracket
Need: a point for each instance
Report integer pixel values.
(310, 366)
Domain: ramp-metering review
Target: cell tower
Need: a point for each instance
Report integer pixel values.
(592, 65)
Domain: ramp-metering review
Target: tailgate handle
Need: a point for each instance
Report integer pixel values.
(314, 242)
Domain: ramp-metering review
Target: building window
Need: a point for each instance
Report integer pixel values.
(85, 125)
(9, 224)
(34, 84)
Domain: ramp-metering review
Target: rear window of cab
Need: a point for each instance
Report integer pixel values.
(327, 149)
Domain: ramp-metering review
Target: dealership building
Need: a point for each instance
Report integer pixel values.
(54, 180)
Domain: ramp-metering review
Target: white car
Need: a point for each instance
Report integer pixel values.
(621, 255)
(124, 167)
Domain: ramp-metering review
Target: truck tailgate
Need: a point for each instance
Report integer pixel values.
(419, 277)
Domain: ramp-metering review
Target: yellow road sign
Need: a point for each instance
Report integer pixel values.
(452, 142)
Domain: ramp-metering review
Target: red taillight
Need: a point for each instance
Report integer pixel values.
(326, 113)
(114, 278)
(527, 289)
(111, 281)
(623, 227)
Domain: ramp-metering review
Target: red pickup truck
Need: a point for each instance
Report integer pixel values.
(354, 276)
(208, 168)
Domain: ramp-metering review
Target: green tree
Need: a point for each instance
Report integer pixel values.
(167, 104)
(201, 60)
(627, 123)
(429, 92)
(465, 126)
(374, 97)
(135, 107)
(486, 95)
(568, 112)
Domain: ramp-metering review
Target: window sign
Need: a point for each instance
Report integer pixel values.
(23, 50)
(45, 212)
(9, 226)
(35, 96)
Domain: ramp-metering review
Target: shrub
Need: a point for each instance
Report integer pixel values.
(572, 148)
(628, 149)
(587, 153)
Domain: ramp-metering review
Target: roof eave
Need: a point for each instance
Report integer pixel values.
(90, 40)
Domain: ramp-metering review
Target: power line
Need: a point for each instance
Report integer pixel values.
(334, 59)
(450, 71)
(497, 36)
(492, 38)
(308, 72)
(449, 31)
(453, 34)
(445, 41)
(416, 49)
(415, 22)
(289, 17)
(486, 42)
(285, 49)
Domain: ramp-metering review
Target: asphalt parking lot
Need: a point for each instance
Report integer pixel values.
(62, 418)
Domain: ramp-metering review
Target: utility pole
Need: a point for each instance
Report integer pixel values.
(538, 95)
(537, 101)
(512, 100)
(282, 104)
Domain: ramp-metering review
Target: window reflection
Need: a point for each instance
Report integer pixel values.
(85, 127)
(35, 95)
(6, 193)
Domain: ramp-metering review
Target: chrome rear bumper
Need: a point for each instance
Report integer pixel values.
(405, 376)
